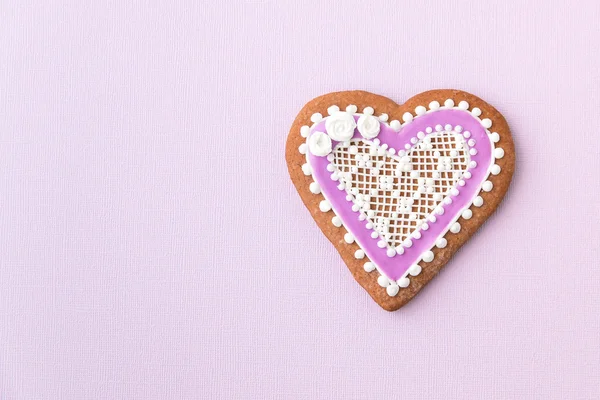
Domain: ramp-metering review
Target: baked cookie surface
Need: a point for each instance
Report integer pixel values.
(398, 189)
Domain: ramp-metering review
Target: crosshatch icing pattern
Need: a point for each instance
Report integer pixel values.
(398, 193)
(398, 188)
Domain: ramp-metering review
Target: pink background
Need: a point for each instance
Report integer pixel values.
(153, 247)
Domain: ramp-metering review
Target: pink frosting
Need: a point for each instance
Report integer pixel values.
(395, 267)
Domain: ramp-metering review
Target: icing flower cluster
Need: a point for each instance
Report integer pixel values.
(340, 127)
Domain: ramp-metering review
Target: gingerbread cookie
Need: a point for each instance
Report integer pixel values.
(398, 189)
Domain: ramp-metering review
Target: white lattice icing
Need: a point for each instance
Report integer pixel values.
(397, 193)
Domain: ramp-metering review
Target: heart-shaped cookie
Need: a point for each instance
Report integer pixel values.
(398, 199)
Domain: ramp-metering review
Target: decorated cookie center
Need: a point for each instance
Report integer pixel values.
(397, 193)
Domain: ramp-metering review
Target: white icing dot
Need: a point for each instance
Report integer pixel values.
(454, 191)
(499, 152)
(455, 228)
(432, 218)
(369, 266)
(487, 186)
(420, 110)
(471, 142)
(391, 252)
(392, 151)
(416, 235)
(487, 123)
(495, 137)
(399, 250)
(348, 238)
(458, 128)
(302, 148)
(476, 111)
(415, 270)
(439, 210)
(495, 170)
(473, 151)
(407, 117)
(461, 183)
(330, 167)
(403, 282)
(478, 201)
(330, 157)
(334, 176)
(467, 214)
(428, 256)
(392, 290)
(467, 175)
(368, 111)
(395, 125)
(324, 206)
(381, 244)
(441, 243)
(449, 103)
(420, 135)
(467, 134)
(434, 105)
(316, 117)
(304, 131)
(428, 129)
(448, 200)
(315, 188)
(351, 108)
(383, 281)
(359, 254)
(425, 226)
(332, 110)
(374, 234)
(306, 169)
(336, 221)
(439, 128)
(407, 243)
(463, 105)
(383, 117)
(472, 164)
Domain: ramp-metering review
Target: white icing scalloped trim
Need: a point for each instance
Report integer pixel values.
(393, 287)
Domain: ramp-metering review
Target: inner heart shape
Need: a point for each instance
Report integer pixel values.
(399, 189)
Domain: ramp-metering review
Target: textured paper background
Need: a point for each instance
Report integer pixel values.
(152, 246)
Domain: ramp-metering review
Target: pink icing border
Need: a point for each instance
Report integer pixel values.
(396, 267)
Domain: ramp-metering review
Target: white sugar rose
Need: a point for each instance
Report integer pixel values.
(340, 126)
(319, 144)
(368, 126)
